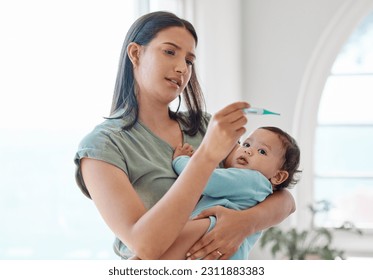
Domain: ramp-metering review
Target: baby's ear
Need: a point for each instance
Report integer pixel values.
(280, 177)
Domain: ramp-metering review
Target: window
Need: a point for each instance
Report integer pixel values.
(344, 134)
(58, 68)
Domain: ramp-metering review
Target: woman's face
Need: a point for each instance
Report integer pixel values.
(164, 66)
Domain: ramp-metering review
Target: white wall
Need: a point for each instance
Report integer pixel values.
(275, 54)
(258, 50)
(280, 37)
(219, 27)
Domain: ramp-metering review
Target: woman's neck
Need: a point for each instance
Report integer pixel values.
(157, 119)
(154, 116)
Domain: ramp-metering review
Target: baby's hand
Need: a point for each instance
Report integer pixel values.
(183, 150)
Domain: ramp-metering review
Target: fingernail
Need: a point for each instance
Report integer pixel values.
(188, 254)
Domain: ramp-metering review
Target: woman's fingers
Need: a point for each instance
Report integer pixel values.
(233, 114)
(224, 130)
(224, 239)
(233, 107)
(209, 247)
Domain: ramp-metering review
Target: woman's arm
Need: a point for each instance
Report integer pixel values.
(233, 226)
(123, 210)
(191, 233)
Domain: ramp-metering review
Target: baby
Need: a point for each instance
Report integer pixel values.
(266, 161)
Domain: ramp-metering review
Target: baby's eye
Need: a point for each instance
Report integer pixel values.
(246, 145)
(262, 152)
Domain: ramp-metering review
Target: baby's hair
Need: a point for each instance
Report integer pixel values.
(291, 156)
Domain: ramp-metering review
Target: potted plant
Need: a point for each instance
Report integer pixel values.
(312, 243)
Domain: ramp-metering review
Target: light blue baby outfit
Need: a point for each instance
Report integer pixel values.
(233, 188)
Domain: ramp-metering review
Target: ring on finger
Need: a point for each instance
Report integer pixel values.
(219, 253)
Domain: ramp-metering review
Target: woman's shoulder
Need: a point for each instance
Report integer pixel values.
(102, 132)
(110, 126)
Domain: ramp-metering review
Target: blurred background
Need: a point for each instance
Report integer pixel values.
(312, 61)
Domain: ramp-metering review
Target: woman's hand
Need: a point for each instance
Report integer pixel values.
(224, 239)
(224, 130)
(233, 226)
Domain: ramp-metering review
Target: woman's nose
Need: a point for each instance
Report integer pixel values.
(181, 67)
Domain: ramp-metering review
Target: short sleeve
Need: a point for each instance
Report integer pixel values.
(99, 145)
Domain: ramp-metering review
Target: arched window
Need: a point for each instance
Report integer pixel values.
(334, 127)
(343, 163)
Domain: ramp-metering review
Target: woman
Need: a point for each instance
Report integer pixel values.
(124, 164)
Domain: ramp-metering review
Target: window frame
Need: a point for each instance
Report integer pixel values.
(318, 70)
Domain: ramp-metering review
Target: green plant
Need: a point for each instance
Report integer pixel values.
(304, 244)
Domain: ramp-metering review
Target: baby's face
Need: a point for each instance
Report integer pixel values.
(261, 151)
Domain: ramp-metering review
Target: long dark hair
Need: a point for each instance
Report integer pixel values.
(291, 156)
(142, 31)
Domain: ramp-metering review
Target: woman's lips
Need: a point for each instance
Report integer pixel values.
(174, 81)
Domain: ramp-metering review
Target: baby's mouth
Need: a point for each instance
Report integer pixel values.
(242, 160)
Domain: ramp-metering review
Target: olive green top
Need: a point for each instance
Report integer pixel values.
(143, 156)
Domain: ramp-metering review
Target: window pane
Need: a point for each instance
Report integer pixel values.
(351, 199)
(43, 213)
(344, 151)
(357, 54)
(344, 136)
(58, 65)
(347, 100)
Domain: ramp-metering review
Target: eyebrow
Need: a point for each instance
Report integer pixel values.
(179, 48)
(268, 146)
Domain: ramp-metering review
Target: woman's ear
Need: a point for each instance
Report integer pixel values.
(280, 177)
(133, 51)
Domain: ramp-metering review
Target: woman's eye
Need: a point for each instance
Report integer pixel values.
(170, 52)
(189, 62)
(262, 152)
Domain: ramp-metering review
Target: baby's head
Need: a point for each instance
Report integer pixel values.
(270, 151)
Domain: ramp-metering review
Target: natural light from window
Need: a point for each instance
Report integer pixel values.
(58, 67)
(344, 136)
